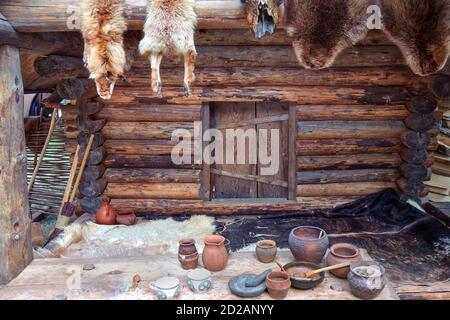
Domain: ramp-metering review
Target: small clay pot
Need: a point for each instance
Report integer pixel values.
(215, 255)
(266, 251)
(340, 253)
(105, 214)
(186, 247)
(306, 244)
(188, 261)
(278, 284)
(366, 279)
(126, 219)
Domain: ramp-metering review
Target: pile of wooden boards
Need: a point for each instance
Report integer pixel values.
(439, 184)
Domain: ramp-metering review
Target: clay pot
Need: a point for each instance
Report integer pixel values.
(278, 284)
(306, 245)
(126, 219)
(366, 279)
(215, 255)
(187, 254)
(105, 214)
(186, 247)
(266, 251)
(339, 253)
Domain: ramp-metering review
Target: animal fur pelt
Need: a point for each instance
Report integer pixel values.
(322, 29)
(262, 15)
(421, 29)
(169, 30)
(102, 25)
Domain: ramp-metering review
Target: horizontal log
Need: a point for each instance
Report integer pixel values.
(415, 140)
(246, 37)
(338, 176)
(263, 56)
(178, 191)
(314, 95)
(83, 137)
(92, 173)
(96, 155)
(415, 172)
(342, 189)
(136, 147)
(422, 105)
(345, 112)
(136, 130)
(91, 205)
(441, 86)
(115, 175)
(231, 207)
(307, 130)
(278, 75)
(73, 89)
(145, 161)
(411, 188)
(420, 122)
(414, 156)
(347, 146)
(345, 162)
(90, 126)
(92, 188)
(143, 112)
(62, 67)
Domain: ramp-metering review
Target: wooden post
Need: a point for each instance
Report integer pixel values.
(15, 223)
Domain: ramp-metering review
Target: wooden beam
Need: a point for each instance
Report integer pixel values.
(15, 223)
(63, 15)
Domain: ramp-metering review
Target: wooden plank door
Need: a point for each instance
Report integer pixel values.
(267, 109)
(222, 114)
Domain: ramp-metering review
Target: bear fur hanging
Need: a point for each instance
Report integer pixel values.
(169, 30)
(102, 25)
(322, 29)
(421, 29)
(262, 15)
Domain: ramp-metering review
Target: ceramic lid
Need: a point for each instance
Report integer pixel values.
(199, 274)
(167, 282)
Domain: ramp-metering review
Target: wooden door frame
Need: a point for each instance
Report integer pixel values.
(205, 179)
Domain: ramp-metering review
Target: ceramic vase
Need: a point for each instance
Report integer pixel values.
(215, 255)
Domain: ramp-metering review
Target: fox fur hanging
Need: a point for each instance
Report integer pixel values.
(169, 30)
(421, 29)
(321, 29)
(102, 25)
(262, 15)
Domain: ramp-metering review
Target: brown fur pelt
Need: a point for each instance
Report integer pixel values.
(421, 29)
(102, 25)
(169, 30)
(322, 29)
(262, 15)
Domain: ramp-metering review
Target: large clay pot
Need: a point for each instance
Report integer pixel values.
(306, 245)
(340, 253)
(215, 255)
(366, 279)
(105, 214)
(278, 284)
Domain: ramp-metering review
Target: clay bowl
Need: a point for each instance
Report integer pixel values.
(296, 267)
(366, 279)
(339, 253)
(266, 251)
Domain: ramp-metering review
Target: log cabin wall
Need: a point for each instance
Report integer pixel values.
(349, 122)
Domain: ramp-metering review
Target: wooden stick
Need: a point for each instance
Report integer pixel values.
(73, 171)
(333, 267)
(83, 164)
(44, 149)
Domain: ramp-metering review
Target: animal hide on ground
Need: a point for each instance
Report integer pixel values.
(262, 15)
(102, 25)
(169, 30)
(421, 29)
(323, 29)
